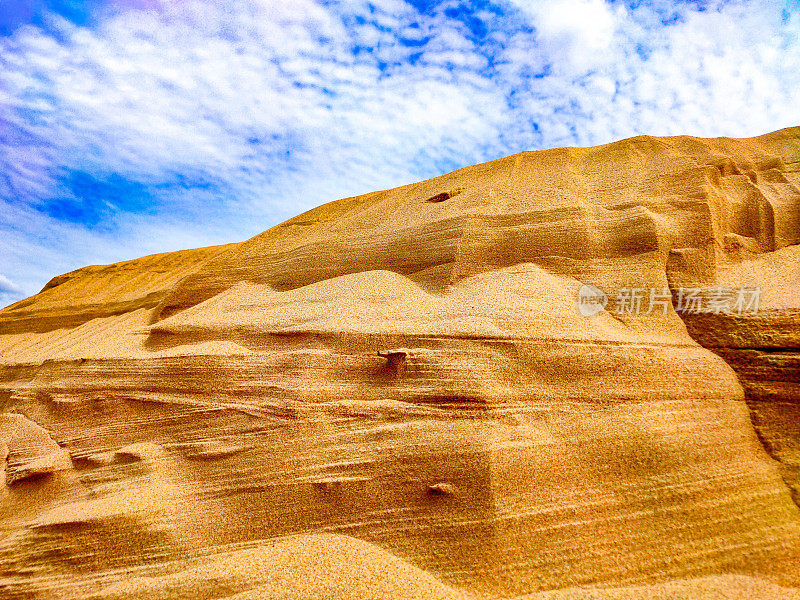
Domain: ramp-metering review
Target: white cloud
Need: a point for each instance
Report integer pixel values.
(575, 33)
(727, 70)
(8, 287)
(9, 291)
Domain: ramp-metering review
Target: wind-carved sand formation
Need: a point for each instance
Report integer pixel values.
(394, 395)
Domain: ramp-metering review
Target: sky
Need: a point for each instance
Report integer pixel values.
(130, 127)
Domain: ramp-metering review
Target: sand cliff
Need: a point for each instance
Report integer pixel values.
(405, 376)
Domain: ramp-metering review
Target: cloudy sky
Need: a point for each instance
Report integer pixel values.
(129, 127)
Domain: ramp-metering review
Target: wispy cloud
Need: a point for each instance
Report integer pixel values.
(9, 291)
(7, 286)
(151, 125)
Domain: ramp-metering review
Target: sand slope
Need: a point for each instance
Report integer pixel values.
(407, 371)
(318, 567)
(725, 587)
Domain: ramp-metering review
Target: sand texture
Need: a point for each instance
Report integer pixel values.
(396, 396)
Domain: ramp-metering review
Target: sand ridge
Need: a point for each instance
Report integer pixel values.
(394, 395)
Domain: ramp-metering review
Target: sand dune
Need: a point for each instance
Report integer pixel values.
(321, 567)
(395, 395)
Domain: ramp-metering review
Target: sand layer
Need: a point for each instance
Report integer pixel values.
(395, 395)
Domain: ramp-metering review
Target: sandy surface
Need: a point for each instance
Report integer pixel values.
(395, 395)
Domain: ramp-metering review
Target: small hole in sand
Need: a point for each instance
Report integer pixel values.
(445, 195)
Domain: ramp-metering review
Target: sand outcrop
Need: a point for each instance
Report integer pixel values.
(410, 373)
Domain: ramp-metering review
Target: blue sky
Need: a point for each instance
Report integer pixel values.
(130, 127)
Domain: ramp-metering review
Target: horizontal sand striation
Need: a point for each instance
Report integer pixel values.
(402, 383)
